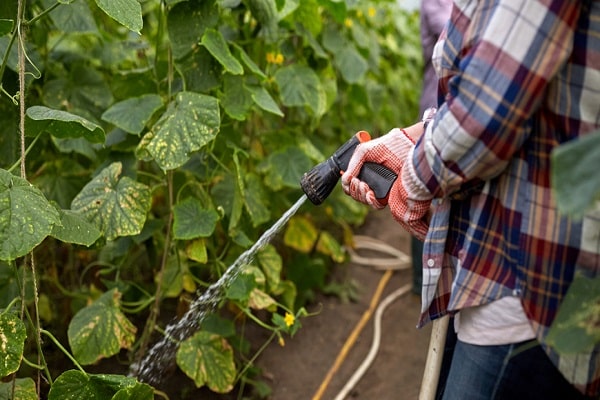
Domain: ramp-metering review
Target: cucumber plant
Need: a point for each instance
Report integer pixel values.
(144, 145)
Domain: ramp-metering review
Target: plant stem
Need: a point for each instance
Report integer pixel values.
(20, 160)
(61, 347)
(42, 14)
(9, 306)
(255, 356)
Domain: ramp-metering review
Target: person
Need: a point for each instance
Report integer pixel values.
(432, 19)
(518, 78)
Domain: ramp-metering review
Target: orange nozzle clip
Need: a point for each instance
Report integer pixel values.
(363, 136)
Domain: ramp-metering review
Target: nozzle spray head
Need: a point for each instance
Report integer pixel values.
(320, 181)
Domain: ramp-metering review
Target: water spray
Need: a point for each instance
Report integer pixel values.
(317, 184)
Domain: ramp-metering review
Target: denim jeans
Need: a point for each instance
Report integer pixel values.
(520, 371)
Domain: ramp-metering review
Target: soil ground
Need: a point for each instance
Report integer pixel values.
(297, 371)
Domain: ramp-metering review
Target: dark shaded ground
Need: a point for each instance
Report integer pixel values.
(297, 370)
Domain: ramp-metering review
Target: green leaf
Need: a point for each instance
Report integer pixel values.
(575, 176)
(9, 285)
(263, 99)
(126, 12)
(118, 206)
(172, 277)
(191, 121)
(327, 244)
(287, 167)
(75, 228)
(6, 26)
(140, 391)
(222, 326)
(26, 217)
(259, 300)
(196, 250)
(255, 200)
(84, 88)
(100, 329)
(201, 72)
(192, 221)
(272, 265)
(298, 86)
(241, 287)
(300, 234)
(77, 385)
(62, 124)
(208, 359)
(11, 280)
(265, 12)
(133, 114)
(24, 389)
(308, 14)
(249, 62)
(351, 64)
(235, 99)
(77, 18)
(62, 179)
(576, 328)
(186, 23)
(12, 342)
(217, 46)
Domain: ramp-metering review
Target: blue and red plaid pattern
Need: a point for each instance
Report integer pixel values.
(517, 78)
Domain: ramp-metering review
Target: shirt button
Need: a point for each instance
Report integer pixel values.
(430, 262)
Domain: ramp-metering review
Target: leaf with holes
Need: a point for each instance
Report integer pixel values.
(100, 329)
(62, 124)
(12, 340)
(191, 121)
(117, 205)
(208, 359)
(26, 217)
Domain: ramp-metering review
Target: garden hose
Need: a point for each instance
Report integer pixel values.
(438, 334)
(397, 261)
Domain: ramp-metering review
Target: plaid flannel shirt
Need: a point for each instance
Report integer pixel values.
(517, 78)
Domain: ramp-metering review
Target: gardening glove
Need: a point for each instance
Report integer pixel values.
(391, 151)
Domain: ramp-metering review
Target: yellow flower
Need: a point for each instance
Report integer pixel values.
(274, 58)
(359, 13)
(348, 22)
(289, 319)
(279, 59)
(371, 11)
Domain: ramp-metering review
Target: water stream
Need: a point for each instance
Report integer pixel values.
(160, 358)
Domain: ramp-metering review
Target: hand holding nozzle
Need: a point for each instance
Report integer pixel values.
(319, 182)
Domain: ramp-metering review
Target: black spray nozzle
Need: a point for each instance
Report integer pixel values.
(319, 182)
